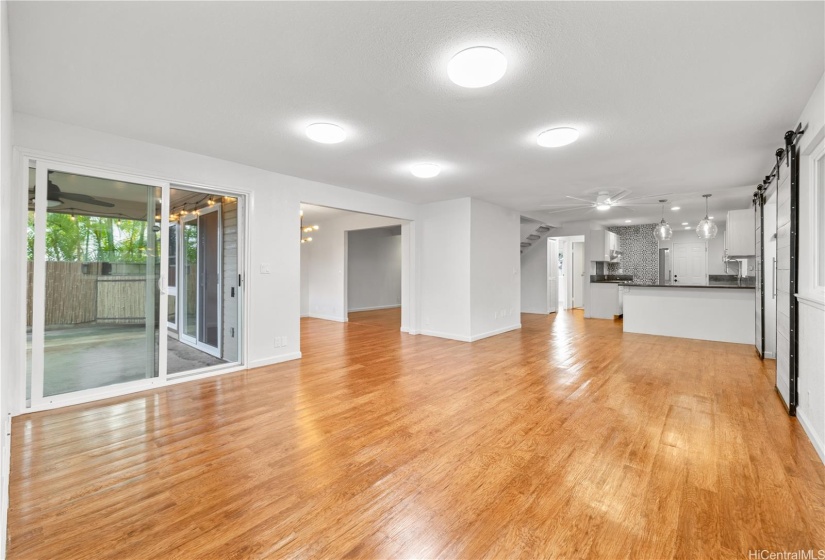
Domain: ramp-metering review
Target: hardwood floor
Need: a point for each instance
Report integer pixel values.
(566, 439)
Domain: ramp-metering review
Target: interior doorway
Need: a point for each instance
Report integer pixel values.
(353, 267)
(562, 262)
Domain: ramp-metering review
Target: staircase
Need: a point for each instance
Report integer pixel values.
(534, 236)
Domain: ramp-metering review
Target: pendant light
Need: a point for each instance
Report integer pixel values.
(663, 231)
(707, 228)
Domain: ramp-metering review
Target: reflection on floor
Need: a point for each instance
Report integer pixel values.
(89, 356)
(567, 438)
(384, 318)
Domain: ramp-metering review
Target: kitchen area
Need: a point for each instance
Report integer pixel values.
(670, 282)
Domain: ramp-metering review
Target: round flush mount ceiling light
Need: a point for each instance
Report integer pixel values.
(557, 137)
(628, 221)
(675, 208)
(477, 67)
(326, 133)
(425, 170)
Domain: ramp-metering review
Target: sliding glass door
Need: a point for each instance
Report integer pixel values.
(130, 281)
(201, 280)
(96, 255)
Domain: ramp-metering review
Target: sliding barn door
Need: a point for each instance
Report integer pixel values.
(787, 249)
(759, 292)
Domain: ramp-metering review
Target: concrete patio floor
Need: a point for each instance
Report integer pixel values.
(88, 356)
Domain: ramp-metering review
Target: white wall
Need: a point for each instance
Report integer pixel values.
(273, 217)
(534, 279)
(327, 282)
(374, 268)
(10, 298)
(811, 408)
(444, 268)
(495, 269)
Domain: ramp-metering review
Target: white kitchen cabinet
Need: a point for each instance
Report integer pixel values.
(740, 234)
(605, 300)
(604, 247)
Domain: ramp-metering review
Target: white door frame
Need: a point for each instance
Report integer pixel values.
(196, 341)
(38, 400)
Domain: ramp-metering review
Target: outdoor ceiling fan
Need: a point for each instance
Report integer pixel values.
(56, 197)
(603, 202)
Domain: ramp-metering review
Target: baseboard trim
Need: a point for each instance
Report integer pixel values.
(376, 308)
(451, 336)
(274, 360)
(811, 433)
(462, 338)
(328, 317)
(495, 332)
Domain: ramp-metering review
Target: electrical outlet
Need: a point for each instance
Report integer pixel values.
(264, 269)
(277, 342)
(283, 341)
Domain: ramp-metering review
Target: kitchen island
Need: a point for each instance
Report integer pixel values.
(724, 313)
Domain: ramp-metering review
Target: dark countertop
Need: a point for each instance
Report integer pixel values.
(714, 287)
(610, 278)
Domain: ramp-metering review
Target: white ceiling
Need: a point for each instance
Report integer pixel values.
(686, 97)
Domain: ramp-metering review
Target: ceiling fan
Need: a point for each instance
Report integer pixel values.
(56, 197)
(603, 202)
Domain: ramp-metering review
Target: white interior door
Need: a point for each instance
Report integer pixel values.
(690, 264)
(552, 275)
(578, 274)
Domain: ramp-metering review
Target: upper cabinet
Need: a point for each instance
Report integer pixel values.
(739, 234)
(605, 247)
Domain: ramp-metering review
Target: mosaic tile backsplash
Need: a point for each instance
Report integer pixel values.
(640, 253)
